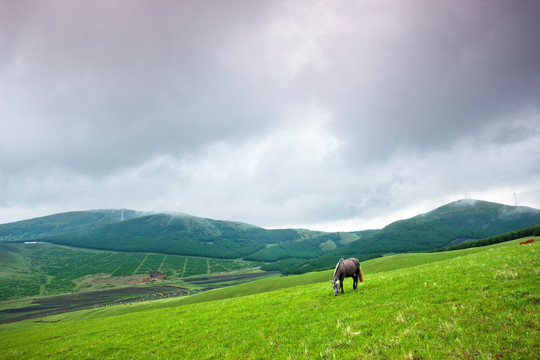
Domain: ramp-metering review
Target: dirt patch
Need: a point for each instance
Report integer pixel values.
(153, 276)
(101, 280)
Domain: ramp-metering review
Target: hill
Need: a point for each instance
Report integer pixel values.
(422, 311)
(456, 222)
(286, 250)
(459, 220)
(177, 234)
(73, 223)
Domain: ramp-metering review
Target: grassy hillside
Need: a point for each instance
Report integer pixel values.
(194, 236)
(177, 234)
(45, 269)
(76, 222)
(464, 219)
(529, 231)
(458, 221)
(387, 263)
(373, 266)
(288, 251)
(482, 305)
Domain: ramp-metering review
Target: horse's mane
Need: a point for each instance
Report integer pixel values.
(335, 270)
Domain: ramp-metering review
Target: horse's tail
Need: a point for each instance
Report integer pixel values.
(360, 276)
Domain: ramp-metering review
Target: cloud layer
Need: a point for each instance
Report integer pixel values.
(329, 115)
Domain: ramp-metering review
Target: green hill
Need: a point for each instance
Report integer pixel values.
(74, 223)
(482, 304)
(176, 234)
(459, 221)
(286, 250)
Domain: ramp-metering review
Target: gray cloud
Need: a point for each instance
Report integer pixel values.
(434, 72)
(282, 113)
(95, 78)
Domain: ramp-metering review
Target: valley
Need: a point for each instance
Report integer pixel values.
(106, 249)
(471, 303)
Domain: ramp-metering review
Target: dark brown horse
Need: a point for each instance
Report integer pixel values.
(346, 268)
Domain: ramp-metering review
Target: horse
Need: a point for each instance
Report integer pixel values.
(530, 241)
(346, 268)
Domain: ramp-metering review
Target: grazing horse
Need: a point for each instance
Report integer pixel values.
(346, 268)
(530, 241)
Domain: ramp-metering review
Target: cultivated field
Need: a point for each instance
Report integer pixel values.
(30, 270)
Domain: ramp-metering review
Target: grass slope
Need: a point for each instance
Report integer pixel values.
(272, 283)
(74, 222)
(289, 251)
(463, 219)
(457, 221)
(481, 305)
(176, 234)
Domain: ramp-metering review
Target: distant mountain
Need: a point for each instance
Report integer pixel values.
(463, 219)
(178, 234)
(449, 224)
(75, 222)
(286, 250)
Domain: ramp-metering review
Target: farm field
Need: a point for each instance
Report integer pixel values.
(128, 295)
(58, 304)
(39, 269)
(478, 304)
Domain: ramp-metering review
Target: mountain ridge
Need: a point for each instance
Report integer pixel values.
(298, 249)
(462, 219)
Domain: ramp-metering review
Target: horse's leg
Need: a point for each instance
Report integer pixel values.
(355, 282)
(341, 285)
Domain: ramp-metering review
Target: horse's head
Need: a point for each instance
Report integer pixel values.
(335, 286)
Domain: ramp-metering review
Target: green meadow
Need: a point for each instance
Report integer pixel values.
(477, 303)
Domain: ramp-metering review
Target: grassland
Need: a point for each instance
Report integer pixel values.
(478, 303)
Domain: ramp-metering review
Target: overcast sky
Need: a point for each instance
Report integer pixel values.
(328, 115)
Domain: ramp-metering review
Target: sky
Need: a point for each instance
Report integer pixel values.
(327, 115)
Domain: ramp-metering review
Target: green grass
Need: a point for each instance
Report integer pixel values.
(401, 261)
(272, 283)
(481, 304)
(347, 237)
